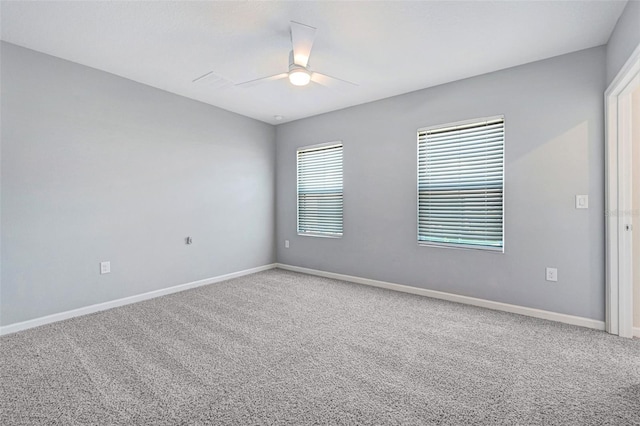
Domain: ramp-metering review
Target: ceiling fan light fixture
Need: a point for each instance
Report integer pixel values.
(299, 77)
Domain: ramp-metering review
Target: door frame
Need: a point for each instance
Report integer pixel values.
(619, 265)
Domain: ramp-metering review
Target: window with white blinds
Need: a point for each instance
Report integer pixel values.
(460, 184)
(320, 190)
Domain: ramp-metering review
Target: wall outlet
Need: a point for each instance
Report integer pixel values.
(552, 274)
(105, 267)
(286, 243)
(582, 201)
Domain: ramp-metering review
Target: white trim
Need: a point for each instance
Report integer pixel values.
(619, 306)
(462, 123)
(636, 332)
(318, 146)
(483, 303)
(19, 326)
(611, 218)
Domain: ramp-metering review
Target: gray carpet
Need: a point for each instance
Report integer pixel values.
(284, 348)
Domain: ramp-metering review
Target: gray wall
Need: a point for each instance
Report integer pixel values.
(624, 39)
(554, 150)
(96, 167)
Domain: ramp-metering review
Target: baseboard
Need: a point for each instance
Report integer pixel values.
(499, 306)
(489, 304)
(19, 326)
(636, 332)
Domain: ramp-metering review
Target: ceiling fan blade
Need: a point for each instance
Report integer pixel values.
(302, 41)
(329, 81)
(262, 80)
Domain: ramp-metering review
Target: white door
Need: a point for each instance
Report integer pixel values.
(622, 212)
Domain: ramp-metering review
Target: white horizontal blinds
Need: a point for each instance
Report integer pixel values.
(460, 184)
(320, 190)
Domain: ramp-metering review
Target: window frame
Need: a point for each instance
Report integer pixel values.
(460, 246)
(311, 148)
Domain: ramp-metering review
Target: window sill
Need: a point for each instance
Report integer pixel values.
(494, 250)
(307, 234)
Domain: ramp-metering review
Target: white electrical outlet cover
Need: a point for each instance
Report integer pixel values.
(552, 274)
(105, 267)
(582, 201)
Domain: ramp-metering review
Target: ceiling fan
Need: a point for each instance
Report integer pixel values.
(299, 73)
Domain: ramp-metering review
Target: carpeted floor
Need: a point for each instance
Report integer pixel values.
(279, 347)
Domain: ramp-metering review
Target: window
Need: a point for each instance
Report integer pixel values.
(320, 190)
(460, 184)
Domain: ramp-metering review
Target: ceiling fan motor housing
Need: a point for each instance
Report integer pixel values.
(293, 65)
(298, 74)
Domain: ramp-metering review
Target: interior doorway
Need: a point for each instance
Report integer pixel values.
(622, 116)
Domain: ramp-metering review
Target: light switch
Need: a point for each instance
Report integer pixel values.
(582, 201)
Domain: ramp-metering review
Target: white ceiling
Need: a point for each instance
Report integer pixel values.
(388, 47)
